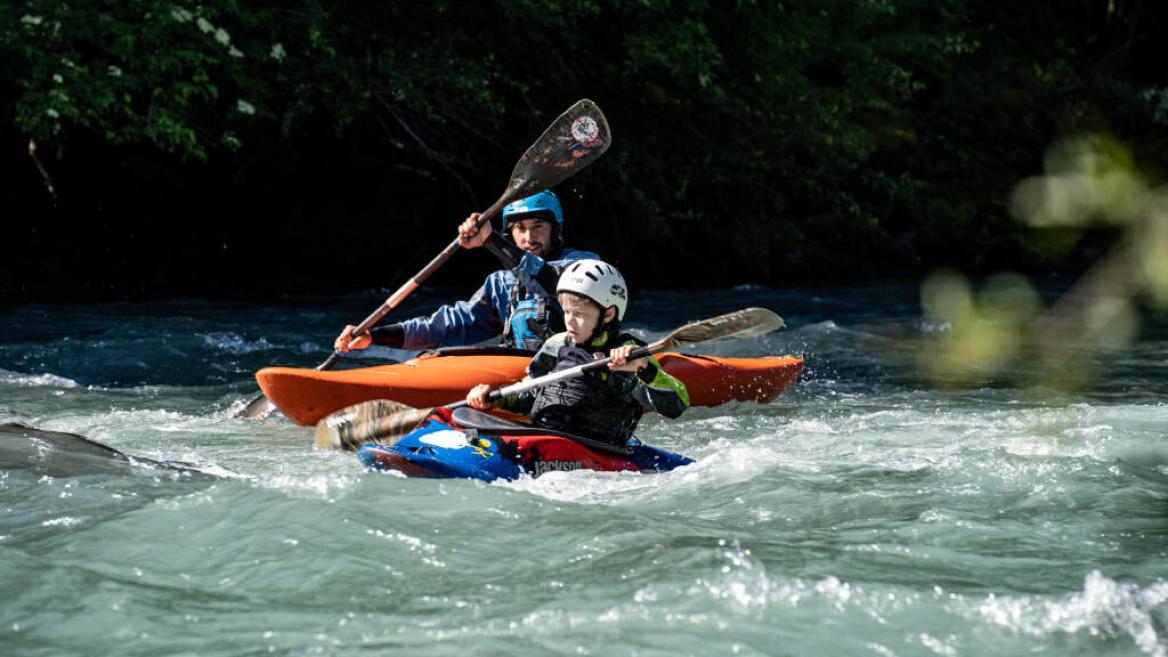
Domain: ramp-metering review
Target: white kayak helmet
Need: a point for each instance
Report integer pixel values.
(597, 280)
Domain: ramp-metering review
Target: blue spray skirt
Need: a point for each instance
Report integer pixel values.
(468, 444)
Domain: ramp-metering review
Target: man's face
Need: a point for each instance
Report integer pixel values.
(533, 235)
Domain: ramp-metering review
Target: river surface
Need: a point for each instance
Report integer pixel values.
(864, 512)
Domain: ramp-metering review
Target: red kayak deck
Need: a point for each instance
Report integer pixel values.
(307, 395)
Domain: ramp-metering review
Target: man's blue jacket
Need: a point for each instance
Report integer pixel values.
(481, 317)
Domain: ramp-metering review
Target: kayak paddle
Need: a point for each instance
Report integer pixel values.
(384, 421)
(573, 141)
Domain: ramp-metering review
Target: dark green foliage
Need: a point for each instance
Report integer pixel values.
(754, 141)
(184, 78)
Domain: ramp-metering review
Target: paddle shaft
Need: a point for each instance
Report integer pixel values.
(261, 406)
(570, 143)
(415, 282)
(556, 377)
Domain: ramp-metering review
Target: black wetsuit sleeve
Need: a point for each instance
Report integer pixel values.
(510, 255)
(388, 336)
(506, 251)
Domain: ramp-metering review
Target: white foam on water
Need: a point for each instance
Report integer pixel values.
(36, 380)
(316, 348)
(328, 487)
(742, 585)
(428, 552)
(590, 487)
(234, 343)
(718, 423)
(1017, 447)
(926, 326)
(732, 460)
(1104, 608)
(725, 461)
(16, 418)
(63, 521)
(234, 406)
(810, 426)
(826, 326)
(115, 423)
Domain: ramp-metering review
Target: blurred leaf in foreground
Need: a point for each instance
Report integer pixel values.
(1004, 329)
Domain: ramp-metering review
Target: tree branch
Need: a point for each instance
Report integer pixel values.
(32, 152)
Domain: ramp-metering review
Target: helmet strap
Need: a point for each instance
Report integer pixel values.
(603, 329)
(557, 243)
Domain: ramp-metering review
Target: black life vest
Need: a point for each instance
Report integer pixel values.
(597, 405)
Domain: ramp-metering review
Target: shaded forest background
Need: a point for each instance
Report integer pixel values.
(234, 149)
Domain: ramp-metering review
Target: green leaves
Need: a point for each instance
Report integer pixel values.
(186, 79)
(858, 133)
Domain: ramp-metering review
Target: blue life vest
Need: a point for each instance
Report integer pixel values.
(529, 324)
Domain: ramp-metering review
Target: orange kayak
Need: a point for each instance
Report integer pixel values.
(307, 395)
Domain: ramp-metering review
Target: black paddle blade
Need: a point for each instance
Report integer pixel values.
(745, 323)
(380, 421)
(571, 142)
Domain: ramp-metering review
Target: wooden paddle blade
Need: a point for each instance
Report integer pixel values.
(745, 323)
(379, 421)
(571, 142)
(257, 409)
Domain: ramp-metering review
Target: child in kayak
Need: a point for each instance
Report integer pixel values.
(604, 406)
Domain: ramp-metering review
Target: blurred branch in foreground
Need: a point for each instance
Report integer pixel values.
(1005, 327)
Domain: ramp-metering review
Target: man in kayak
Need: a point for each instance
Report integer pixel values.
(512, 302)
(604, 406)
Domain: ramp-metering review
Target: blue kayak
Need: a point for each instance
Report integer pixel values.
(465, 443)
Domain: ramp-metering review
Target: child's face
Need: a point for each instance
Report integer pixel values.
(580, 316)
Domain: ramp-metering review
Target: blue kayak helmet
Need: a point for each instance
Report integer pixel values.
(540, 205)
(544, 202)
